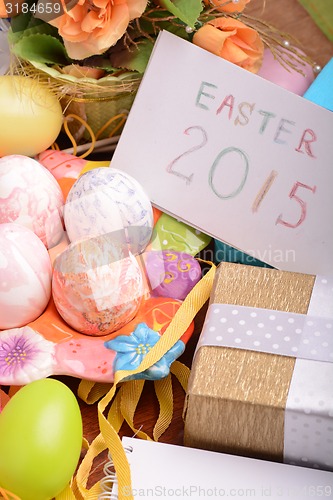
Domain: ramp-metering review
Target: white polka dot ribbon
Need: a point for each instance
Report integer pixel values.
(276, 332)
(308, 435)
(308, 417)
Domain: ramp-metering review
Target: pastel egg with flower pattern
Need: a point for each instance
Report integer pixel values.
(31, 116)
(108, 201)
(170, 273)
(30, 196)
(25, 276)
(97, 285)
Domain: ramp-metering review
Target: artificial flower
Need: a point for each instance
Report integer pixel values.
(232, 40)
(93, 26)
(83, 71)
(132, 349)
(118, 36)
(24, 356)
(3, 11)
(228, 6)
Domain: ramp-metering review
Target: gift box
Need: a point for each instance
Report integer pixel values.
(261, 378)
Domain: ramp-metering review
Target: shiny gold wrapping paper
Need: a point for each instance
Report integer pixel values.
(236, 398)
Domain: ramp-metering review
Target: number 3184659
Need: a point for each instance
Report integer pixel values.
(14, 8)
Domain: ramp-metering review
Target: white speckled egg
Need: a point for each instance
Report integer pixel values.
(30, 196)
(106, 200)
(97, 285)
(25, 276)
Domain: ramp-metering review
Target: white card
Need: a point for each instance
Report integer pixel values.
(161, 470)
(233, 155)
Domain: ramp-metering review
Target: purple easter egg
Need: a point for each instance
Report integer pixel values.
(171, 274)
(290, 79)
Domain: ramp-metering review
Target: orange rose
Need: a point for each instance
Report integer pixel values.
(93, 26)
(14, 8)
(228, 6)
(3, 12)
(83, 71)
(232, 40)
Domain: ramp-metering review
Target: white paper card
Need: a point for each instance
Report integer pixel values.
(161, 470)
(233, 155)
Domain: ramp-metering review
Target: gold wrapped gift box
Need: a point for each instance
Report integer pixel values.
(236, 398)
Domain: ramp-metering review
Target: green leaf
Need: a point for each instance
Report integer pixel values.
(27, 24)
(101, 62)
(134, 59)
(187, 11)
(41, 48)
(152, 28)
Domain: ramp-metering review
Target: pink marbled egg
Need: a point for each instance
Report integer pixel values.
(97, 286)
(25, 276)
(30, 196)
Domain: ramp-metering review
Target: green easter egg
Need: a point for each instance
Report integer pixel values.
(171, 234)
(41, 439)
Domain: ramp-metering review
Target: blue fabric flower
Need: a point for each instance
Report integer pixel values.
(131, 349)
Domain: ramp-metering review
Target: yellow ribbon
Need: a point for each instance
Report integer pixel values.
(163, 389)
(125, 400)
(7, 495)
(126, 397)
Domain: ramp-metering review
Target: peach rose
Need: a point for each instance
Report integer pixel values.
(232, 40)
(14, 8)
(83, 71)
(93, 26)
(228, 6)
(3, 12)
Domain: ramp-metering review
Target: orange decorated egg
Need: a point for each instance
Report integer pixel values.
(97, 285)
(61, 165)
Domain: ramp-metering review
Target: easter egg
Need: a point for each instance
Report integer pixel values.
(66, 166)
(107, 200)
(290, 79)
(30, 196)
(61, 164)
(97, 285)
(171, 274)
(41, 439)
(172, 234)
(25, 276)
(30, 114)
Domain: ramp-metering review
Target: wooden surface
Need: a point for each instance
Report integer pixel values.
(289, 16)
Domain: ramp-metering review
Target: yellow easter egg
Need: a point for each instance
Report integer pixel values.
(30, 116)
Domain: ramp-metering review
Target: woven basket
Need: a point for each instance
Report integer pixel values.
(95, 101)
